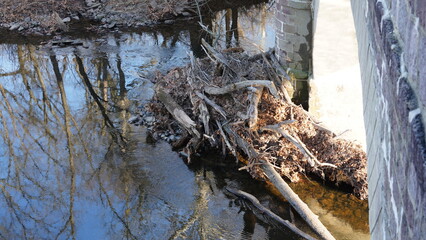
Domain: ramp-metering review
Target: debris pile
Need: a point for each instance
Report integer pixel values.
(241, 105)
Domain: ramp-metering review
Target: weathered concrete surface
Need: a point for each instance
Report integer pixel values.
(392, 40)
(335, 97)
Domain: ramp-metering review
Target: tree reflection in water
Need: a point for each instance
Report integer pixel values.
(54, 137)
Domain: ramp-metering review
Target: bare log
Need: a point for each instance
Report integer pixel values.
(303, 210)
(312, 160)
(296, 202)
(177, 112)
(265, 211)
(241, 143)
(243, 84)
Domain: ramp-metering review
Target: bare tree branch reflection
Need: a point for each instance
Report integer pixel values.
(112, 130)
(69, 144)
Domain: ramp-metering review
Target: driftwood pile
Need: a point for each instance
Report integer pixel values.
(241, 105)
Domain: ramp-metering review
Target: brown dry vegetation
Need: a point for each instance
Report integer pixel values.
(38, 10)
(180, 83)
(43, 16)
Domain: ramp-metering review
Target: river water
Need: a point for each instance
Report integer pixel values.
(72, 167)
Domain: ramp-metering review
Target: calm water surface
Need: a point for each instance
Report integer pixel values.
(72, 167)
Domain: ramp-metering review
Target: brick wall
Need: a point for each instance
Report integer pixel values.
(392, 41)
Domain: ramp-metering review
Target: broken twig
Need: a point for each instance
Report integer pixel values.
(312, 160)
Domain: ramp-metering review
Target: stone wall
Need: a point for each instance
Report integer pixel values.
(294, 27)
(392, 41)
(294, 32)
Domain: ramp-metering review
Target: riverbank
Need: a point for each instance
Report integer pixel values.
(55, 17)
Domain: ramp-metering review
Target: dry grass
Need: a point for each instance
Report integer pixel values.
(165, 9)
(18, 10)
(41, 16)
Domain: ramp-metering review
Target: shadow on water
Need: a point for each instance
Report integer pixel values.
(72, 167)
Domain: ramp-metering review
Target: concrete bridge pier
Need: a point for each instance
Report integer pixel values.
(294, 33)
(293, 42)
(391, 38)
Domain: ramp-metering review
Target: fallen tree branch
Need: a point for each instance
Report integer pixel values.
(296, 202)
(278, 67)
(303, 210)
(204, 116)
(312, 160)
(203, 81)
(241, 143)
(177, 112)
(243, 84)
(265, 211)
(219, 56)
(211, 103)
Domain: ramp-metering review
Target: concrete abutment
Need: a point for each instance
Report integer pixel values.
(391, 38)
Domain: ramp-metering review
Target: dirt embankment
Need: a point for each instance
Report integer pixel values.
(41, 17)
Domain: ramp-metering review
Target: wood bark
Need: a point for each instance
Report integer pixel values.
(216, 107)
(252, 111)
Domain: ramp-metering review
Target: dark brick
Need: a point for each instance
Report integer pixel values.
(409, 213)
(404, 227)
(379, 10)
(407, 94)
(419, 147)
(421, 12)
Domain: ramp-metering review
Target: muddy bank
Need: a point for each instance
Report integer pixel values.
(41, 18)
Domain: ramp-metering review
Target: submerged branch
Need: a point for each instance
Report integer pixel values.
(269, 213)
(283, 187)
(296, 202)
